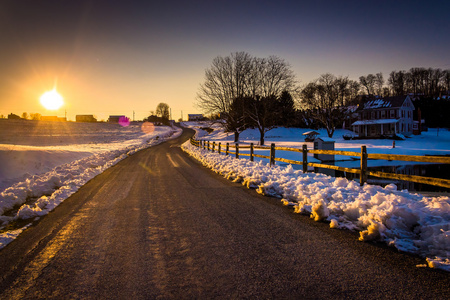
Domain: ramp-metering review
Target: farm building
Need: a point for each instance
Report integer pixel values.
(384, 117)
(85, 118)
(195, 117)
(115, 119)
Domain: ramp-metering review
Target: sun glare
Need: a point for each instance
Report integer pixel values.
(51, 100)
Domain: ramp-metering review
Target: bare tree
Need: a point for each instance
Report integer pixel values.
(35, 116)
(368, 82)
(163, 111)
(353, 88)
(225, 80)
(324, 99)
(397, 82)
(276, 77)
(379, 83)
(262, 112)
(445, 81)
(241, 76)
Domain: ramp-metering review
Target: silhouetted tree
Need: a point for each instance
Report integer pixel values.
(323, 98)
(397, 83)
(285, 110)
(241, 76)
(163, 111)
(236, 117)
(368, 82)
(35, 116)
(262, 112)
(25, 115)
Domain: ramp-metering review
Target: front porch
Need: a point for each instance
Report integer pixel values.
(376, 128)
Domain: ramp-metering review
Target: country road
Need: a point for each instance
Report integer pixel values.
(159, 225)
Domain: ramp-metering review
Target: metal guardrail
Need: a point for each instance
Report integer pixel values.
(363, 156)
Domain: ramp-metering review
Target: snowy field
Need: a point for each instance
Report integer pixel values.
(433, 142)
(43, 163)
(409, 222)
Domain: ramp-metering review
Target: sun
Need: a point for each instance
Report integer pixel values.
(51, 100)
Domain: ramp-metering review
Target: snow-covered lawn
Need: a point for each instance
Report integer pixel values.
(432, 142)
(43, 163)
(410, 222)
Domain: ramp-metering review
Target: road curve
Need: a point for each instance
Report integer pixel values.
(159, 225)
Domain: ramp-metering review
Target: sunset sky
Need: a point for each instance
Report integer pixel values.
(112, 57)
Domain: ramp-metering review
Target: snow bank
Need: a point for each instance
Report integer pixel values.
(409, 222)
(37, 195)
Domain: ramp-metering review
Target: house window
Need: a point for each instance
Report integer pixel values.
(383, 114)
(392, 112)
(372, 115)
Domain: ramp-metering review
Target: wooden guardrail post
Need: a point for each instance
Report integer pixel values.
(227, 151)
(237, 150)
(272, 154)
(214, 147)
(363, 175)
(305, 158)
(207, 146)
(204, 144)
(251, 151)
(218, 147)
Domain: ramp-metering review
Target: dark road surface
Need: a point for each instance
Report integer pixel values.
(159, 225)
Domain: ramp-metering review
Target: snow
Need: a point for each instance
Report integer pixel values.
(409, 222)
(43, 163)
(371, 122)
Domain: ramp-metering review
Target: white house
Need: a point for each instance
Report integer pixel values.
(385, 117)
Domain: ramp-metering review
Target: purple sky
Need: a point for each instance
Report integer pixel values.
(113, 57)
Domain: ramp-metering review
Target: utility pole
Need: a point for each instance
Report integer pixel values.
(133, 115)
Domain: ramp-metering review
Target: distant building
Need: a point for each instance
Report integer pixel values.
(115, 119)
(53, 118)
(195, 117)
(385, 117)
(85, 118)
(13, 117)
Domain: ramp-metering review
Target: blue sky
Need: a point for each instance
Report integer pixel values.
(116, 57)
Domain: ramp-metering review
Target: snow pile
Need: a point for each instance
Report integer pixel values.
(38, 194)
(409, 222)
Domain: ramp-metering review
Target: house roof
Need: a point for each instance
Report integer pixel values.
(386, 102)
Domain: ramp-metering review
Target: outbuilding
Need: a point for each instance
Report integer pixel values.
(310, 136)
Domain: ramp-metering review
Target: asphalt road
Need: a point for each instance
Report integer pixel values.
(159, 225)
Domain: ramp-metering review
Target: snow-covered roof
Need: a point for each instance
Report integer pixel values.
(372, 122)
(310, 132)
(387, 102)
(325, 139)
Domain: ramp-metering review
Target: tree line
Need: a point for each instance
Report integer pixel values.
(419, 82)
(251, 92)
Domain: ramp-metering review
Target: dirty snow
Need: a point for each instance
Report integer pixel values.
(409, 222)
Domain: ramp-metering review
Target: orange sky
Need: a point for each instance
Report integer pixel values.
(118, 57)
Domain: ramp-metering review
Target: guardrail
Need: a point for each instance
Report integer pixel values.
(363, 156)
